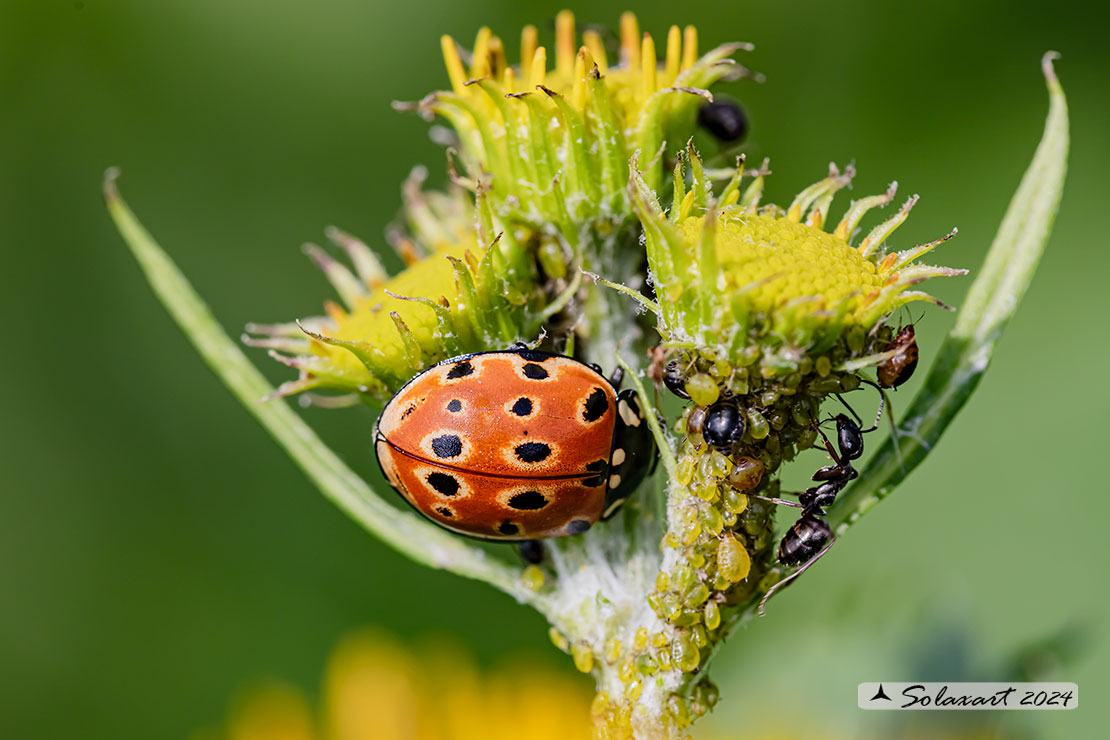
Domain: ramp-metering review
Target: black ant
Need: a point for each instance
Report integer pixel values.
(810, 537)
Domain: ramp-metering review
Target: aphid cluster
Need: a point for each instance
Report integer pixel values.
(743, 423)
(636, 662)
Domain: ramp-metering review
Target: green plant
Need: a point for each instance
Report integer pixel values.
(554, 182)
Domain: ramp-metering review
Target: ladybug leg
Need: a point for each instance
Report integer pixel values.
(532, 551)
(616, 378)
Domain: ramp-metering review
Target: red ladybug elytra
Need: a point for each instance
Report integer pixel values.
(514, 445)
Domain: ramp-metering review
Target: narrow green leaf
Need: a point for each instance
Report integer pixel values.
(403, 531)
(992, 300)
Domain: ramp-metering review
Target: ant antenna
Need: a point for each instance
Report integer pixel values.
(878, 416)
(882, 403)
(786, 581)
(852, 410)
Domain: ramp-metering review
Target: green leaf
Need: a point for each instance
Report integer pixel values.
(403, 531)
(992, 300)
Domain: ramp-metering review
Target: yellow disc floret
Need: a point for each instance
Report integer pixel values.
(780, 261)
(373, 318)
(731, 272)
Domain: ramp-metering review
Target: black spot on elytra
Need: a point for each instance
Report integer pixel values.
(535, 372)
(528, 501)
(444, 511)
(460, 370)
(533, 452)
(408, 411)
(532, 356)
(522, 407)
(454, 406)
(445, 484)
(600, 467)
(596, 405)
(578, 526)
(448, 445)
(507, 527)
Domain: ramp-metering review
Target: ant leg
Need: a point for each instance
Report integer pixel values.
(773, 500)
(882, 405)
(786, 581)
(878, 416)
(894, 433)
(532, 551)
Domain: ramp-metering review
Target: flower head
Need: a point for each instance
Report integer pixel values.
(546, 152)
(463, 290)
(734, 274)
(551, 137)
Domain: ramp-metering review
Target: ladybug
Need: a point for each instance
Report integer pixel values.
(514, 445)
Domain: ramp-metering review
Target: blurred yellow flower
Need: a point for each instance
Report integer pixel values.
(375, 690)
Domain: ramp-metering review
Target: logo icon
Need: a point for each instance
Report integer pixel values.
(880, 694)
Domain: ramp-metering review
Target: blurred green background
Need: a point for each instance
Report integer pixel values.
(157, 550)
